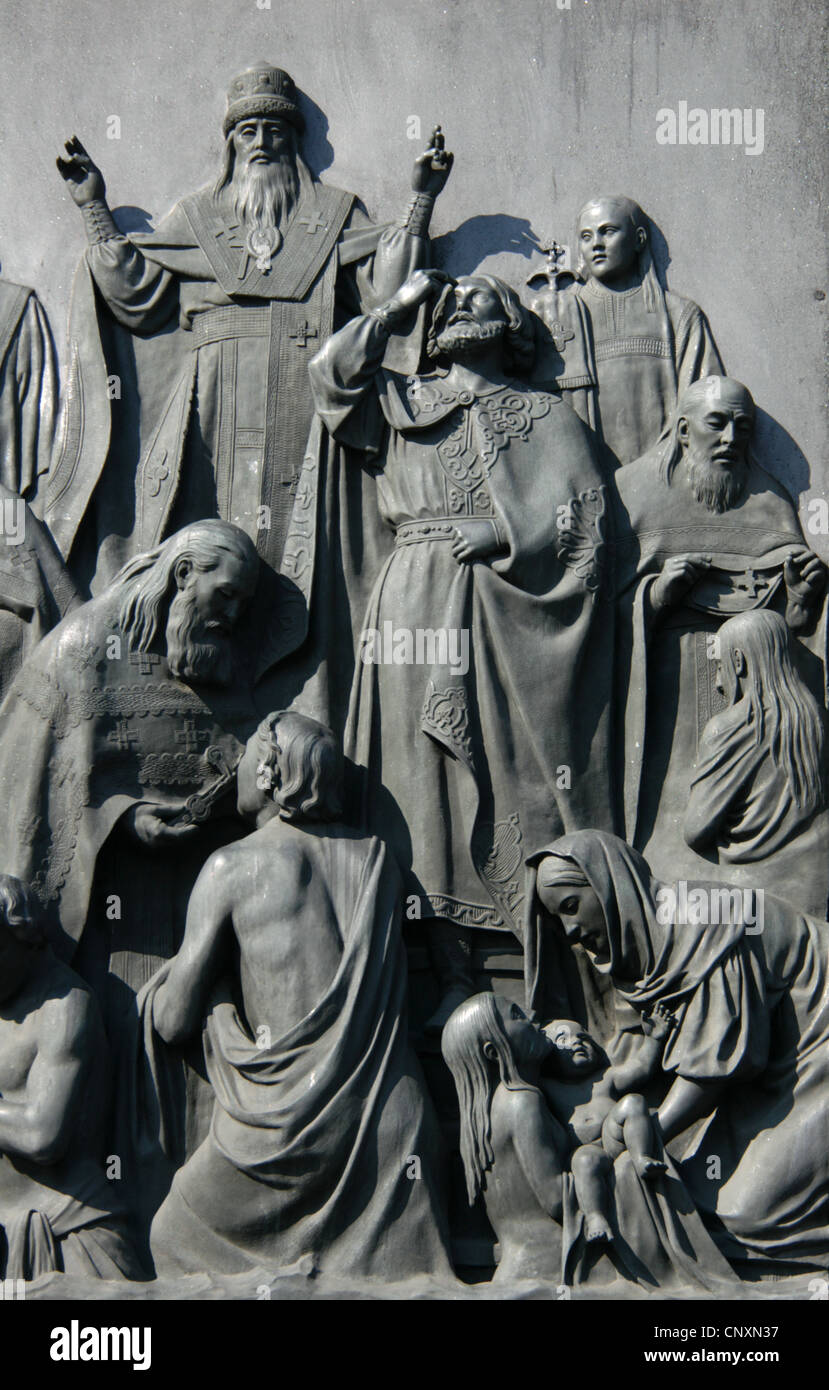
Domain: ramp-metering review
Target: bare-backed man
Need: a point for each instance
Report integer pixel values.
(320, 1105)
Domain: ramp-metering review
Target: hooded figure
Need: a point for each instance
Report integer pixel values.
(749, 988)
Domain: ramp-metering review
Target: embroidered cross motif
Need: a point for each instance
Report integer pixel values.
(233, 242)
(560, 335)
(190, 737)
(122, 736)
(312, 224)
(17, 555)
(157, 471)
(303, 333)
(232, 239)
(748, 584)
(145, 661)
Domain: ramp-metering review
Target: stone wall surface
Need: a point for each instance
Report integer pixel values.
(542, 105)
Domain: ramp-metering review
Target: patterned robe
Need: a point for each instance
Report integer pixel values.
(205, 356)
(468, 763)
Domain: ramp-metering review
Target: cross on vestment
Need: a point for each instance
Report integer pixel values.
(145, 661)
(560, 335)
(312, 224)
(231, 233)
(18, 555)
(190, 736)
(303, 333)
(748, 583)
(122, 736)
(157, 472)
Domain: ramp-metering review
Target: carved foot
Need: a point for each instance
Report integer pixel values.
(649, 1168)
(597, 1229)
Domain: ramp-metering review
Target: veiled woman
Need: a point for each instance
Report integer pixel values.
(751, 1000)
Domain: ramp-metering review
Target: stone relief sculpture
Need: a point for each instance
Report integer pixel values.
(510, 1143)
(35, 588)
(118, 708)
(602, 1123)
(624, 347)
(498, 511)
(252, 269)
(57, 1208)
(133, 713)
(704, 533)
(540, 648)
(758, 795)
(749, 1046)
(28, 392)
(519, 1155)
(319, 1100)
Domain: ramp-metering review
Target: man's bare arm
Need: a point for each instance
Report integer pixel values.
(179, 1004)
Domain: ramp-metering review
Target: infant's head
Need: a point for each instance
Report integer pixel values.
(574, 1051)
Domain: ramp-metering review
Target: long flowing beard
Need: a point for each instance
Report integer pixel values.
(191, 654)
(467, 339)
(718, 486)
(265, 194)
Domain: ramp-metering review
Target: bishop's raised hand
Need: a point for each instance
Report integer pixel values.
(83, 178)
(433, 167)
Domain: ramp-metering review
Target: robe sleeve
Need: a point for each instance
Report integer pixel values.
(724, 1027)
(28, 403)
(375, 262)
(139, 293)
(722, 772)
(343, 378)
(696, 352)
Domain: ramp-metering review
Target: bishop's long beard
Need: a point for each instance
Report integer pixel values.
(264, 195)
(718, 486)
(192, 654)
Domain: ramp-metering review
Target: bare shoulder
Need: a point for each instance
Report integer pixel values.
(517, 1105)
(68, 1019)
(274, 844)
(280, 841)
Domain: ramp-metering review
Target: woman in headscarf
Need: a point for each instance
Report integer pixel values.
(750, 995)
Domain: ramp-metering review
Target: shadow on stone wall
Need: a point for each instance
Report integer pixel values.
(489, 234)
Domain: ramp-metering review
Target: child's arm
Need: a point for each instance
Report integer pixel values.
(633, 1074)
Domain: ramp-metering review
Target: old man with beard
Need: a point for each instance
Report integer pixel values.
(116, 732)
(223, 306)
(704, 533)
(480, 703)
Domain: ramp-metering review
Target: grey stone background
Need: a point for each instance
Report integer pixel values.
(542, 106)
